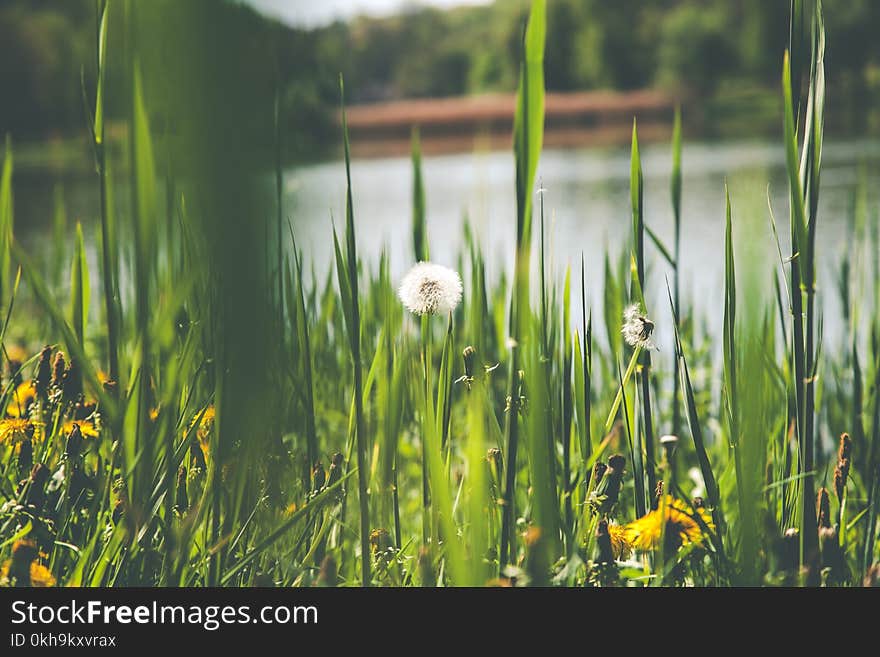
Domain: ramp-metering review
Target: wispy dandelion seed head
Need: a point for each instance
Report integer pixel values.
(429, 289)
(637, 329)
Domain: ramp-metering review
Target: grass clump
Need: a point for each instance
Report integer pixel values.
(175, 432)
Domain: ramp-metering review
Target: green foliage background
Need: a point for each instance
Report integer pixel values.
(719, 53)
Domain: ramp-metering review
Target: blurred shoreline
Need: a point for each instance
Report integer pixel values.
(483, 123)
(461, 124)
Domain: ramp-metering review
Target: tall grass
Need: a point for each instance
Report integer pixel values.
(528, 131)
(347, 270)
(228, 416)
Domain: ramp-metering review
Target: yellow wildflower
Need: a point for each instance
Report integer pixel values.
(41, 577)
(206, 426)
(88, 428)
(24, 565)
(380, 540)
(20, 399)
(16, 353)
(681, 525)
(16, 430)
(621, 544)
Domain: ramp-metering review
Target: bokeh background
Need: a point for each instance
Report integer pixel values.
(449, 68)
(721, 56)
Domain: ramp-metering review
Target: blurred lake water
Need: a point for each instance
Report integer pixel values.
(587, 212)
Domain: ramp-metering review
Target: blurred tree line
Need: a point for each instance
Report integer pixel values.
(695, 48)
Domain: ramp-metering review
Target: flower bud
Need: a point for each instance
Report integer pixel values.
(328, 576)
(841, 470)
(319, 477)
(604, 497)
(71, 383)
(469, 355)
(380, 540)
(43, 378)
(604, 551)
(58, 367)
(25, 457)
(181, 502)
(74, 442)
(823, 506)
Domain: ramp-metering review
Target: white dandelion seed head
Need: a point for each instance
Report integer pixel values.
(632, 312)
(429, 289)
(637, 329)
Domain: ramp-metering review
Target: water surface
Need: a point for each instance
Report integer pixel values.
(587, 212)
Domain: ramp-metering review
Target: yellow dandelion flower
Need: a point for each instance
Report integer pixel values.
(154, 414)
(16, 353)
(380, 540)
(207, 421)
(40, 575)
(88, 428)
(206, 426)
(15, 430)
(621, 543)
(681, 525)
(20, 399)
(24, 565)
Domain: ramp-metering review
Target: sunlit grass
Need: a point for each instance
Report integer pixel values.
(260, 424)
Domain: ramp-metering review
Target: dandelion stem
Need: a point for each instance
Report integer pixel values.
(633, 361)
(396, 503)
(426, 385)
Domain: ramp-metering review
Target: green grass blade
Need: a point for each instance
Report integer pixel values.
(799, 220)
(675, 177)
(636, 191)
(694, 420)
(80, 293)
(354, 338)
(528, 123)
(528, 136)
(675, 192)
(102, 58)
(306, 351)
(6, 221)
(419, 228)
